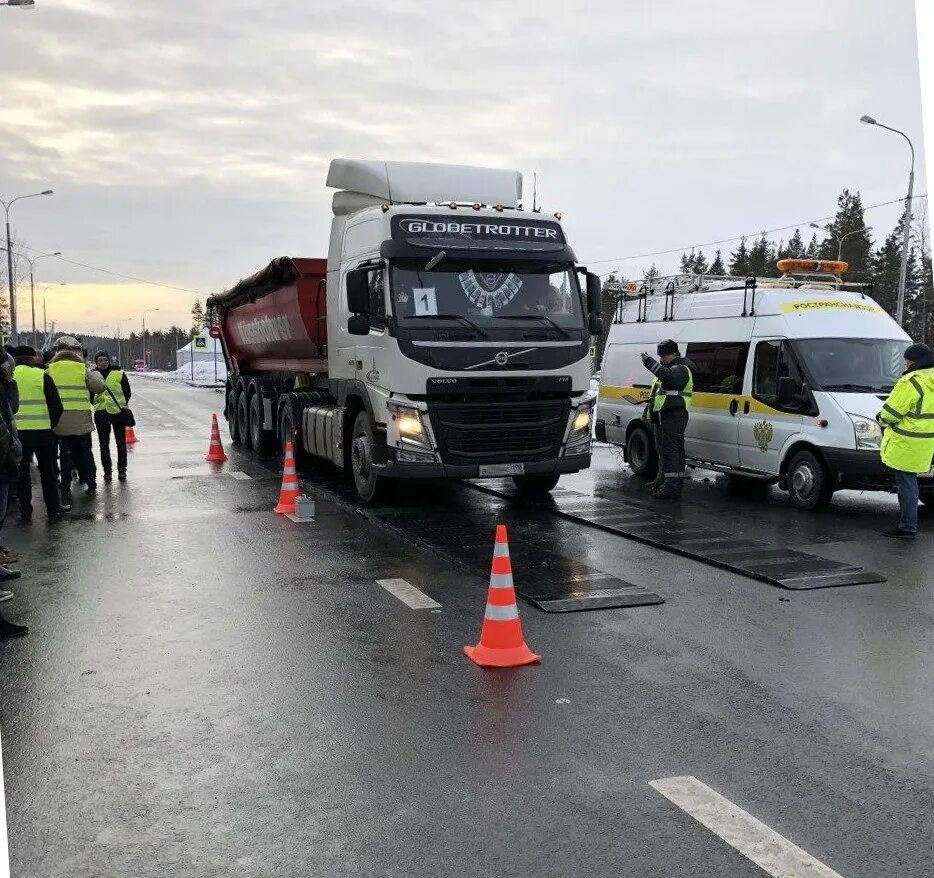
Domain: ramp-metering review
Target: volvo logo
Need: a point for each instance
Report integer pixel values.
(501, 358)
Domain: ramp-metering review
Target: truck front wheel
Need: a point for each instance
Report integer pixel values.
(371, 489)
(537, 485)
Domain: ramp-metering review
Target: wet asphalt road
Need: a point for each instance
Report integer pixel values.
(211, 690)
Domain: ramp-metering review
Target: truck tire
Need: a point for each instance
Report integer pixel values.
(371, 488)
(233, 425)
(290, 419)
(243, 419)
(263, 442)
(641, 454)
(536, 485)
(809, 484)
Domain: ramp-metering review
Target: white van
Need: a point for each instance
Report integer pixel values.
(789, 375)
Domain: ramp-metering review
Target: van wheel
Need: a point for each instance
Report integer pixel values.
(243, 419)
(262, 441)
(371, 488)
(233, 425)
(537, 485)
(809, 485)
(641, 454)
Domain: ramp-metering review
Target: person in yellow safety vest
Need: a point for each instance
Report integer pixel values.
(108, 414)
(907, 420)
(76, 386)
(669, 403)
(40, 410)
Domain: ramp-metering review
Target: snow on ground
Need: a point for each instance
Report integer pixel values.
(203, 373)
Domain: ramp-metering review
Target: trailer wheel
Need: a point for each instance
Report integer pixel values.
(289, 431)
(262, 441)
(233, 424)
(371, 488)
(536, 485)
(641, 454)
(809, 484)
(243, 419)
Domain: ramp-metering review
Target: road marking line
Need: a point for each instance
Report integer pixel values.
(408, 594)
(753, 839)
(4, 850)
(237, 474)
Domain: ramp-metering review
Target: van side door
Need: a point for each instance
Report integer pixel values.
(718, 368)
(767, 420)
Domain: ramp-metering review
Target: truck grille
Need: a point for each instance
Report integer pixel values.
(499, 432)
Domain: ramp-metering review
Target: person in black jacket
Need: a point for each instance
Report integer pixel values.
(668, 406)
(40, 443)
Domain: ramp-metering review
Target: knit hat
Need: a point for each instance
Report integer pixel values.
(917, 352)
(24, 350)
(668, 347)
(67, 343)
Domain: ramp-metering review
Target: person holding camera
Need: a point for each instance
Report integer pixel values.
(110, 414)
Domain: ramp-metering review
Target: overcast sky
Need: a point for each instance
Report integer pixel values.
(188, 143)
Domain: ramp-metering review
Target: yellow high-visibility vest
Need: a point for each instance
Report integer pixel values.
(103, 402)
(33, 411)
(908, 416)
(70, 379)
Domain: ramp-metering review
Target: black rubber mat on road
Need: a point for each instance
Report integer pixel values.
(546, 579)
(776, 565)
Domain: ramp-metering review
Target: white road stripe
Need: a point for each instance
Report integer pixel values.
(237, 474)
(4, 851)
(753, 839)
(408, 594)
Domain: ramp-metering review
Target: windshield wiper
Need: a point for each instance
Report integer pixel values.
(865, 387)
(460, 317)
(560, 329)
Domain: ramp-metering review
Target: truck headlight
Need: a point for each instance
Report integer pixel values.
(868, 433)
(582, 421)
(408, 423)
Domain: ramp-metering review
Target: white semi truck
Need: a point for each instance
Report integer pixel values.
(447, 335)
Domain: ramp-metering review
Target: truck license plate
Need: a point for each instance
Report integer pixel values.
(502, 469)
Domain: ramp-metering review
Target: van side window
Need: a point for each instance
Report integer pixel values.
(719, 367)
(774, 360)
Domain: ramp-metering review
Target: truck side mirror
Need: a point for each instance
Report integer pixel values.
(595, 324)
(594, 294)
(358, 324)
(358, 291)
(788, 390)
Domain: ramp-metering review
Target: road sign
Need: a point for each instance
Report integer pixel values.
(201, 342)
(215, 332)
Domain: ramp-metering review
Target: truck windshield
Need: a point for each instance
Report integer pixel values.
(540, 297)
(858, 365)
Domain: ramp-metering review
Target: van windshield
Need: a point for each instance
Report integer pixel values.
(858, 365)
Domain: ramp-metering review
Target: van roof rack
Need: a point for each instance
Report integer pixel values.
(711, 283)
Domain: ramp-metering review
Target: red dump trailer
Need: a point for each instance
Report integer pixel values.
(274, 336)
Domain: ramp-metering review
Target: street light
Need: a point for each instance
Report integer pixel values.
(147, 311)
(121, 320)
(9, 255)
(32, 288)
(841, 239)
(900, 307)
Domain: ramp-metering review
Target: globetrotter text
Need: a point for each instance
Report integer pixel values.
(423, 227)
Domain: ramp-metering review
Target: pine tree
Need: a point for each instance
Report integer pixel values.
(687, 263)
(795, 247)
(716, 267)
(813, 249)
(762, 257)
(886, 268)
(197, 317)
(651, 276)
(739, 259)
(856, 249)
(700, 263)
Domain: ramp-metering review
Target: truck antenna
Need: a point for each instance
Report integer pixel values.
(534, 192)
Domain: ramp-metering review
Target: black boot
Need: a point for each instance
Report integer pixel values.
(8, 629)
(656, 483)
(670, 490)
(7, 574)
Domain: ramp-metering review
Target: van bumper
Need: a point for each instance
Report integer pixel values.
(862, 469)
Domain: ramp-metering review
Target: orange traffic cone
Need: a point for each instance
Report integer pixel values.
(215, 449)
(501, 643)
(289, 490)
(130, 436)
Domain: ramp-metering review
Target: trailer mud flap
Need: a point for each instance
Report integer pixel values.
(756, 559)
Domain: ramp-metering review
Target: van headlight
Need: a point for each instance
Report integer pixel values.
(868, 433)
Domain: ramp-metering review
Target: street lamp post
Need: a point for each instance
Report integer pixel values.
(9, 255)
(32, 289)
(147, 311)
(841, 239)
(121, 320)
(903, 272)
